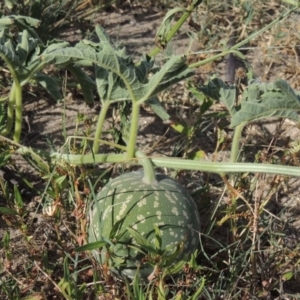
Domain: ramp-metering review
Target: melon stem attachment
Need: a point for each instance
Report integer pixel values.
(149, 173)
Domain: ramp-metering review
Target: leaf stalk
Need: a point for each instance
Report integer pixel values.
(236, 142)
(176, 27)
(131, 145)
(18, 111)
(99, 126)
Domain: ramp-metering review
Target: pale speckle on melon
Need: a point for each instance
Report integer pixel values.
(159, 213)
(141, 218)
(175, 211)
(169, 196)
(185, 214)
(142, 202)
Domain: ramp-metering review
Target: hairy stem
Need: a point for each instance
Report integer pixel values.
(236, 142)
(99, 126)
(131, 145)
(178, 163)
(18, 112)
(176, 27)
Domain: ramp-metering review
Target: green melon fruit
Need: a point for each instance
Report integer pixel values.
(139, 205)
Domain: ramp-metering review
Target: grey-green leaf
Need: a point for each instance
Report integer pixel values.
(108, 86)
(286, 89)
(271, 100)
(158, 109)
(86, 83)
(10, 3)
(228, 97)
(26, 21)
(173, 71)
(165, 27)
(25, 46)
(49, 84)
(143, 68)
(117, 77)
(8, 52)
(220, 91)
(6, 22)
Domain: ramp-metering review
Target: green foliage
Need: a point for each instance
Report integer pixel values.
(21, 57)
(55, 14)
(22, 51)
(117, 77)
(161, 38)
(262, 100)
(68, 286)
(259, 100)
(4, 157)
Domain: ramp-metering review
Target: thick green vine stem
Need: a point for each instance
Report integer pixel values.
(220, 168)
(133, 130)
(149, 173)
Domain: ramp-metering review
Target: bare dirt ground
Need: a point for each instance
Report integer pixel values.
(135, 29)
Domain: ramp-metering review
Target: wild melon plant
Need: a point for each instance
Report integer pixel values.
(22, 50)
(142, 220)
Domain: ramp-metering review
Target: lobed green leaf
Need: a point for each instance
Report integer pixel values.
(86, 83)
(173, 71)
(7, 52)
(117, 77)
(268, 100)
(220, 91)
(50, 84)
